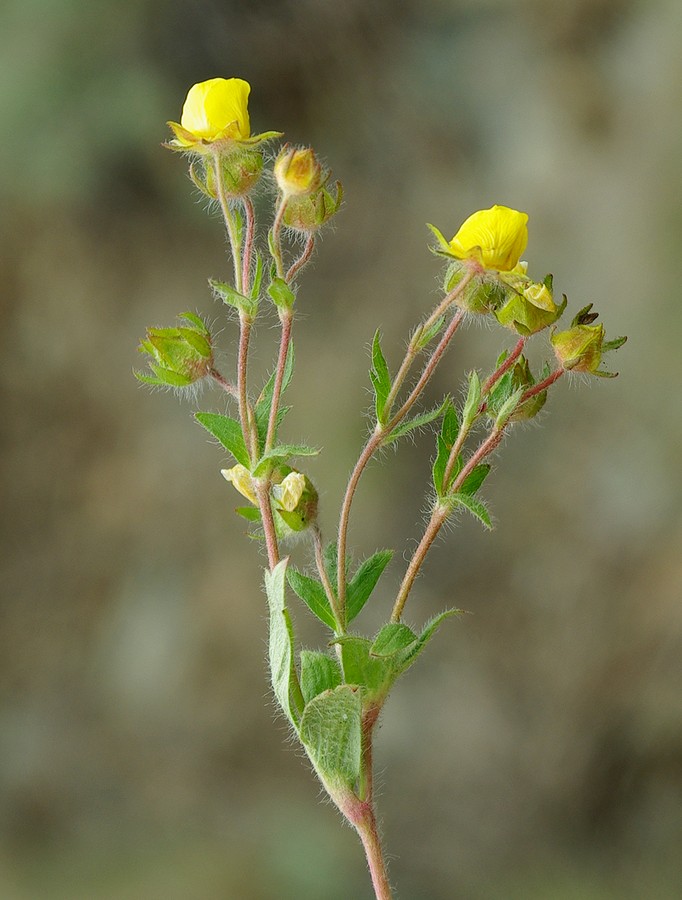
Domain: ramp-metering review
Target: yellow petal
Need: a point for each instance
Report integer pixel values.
(494, 237)
(240, 477)
(291, 490)
(217, 109)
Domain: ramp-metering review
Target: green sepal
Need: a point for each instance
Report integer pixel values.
(477, 508)
(313, 594)
(163, 376)
(319, 673)
(247, 306)
(473, 400)
(281, 294)
(474, 479)
(418, 421)
(250, 513)
(331, 732)
(281, 646)
(443, 245)
(380, 377)
(228, 432)
(392, 638)
(281, 454)
(264, 402)
(364, 581)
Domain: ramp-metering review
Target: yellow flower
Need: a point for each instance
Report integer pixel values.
(240, 477)
(290, 490)
(298, 172)
(215, 110)
(495, 238)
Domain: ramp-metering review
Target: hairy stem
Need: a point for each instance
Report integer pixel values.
(504, 367)
(230, 223)
(276, 238)
(245, 417)
(249, 237)
(271, 545)
(285, 338)
(302, 260)
(226, 385)
(326, 583)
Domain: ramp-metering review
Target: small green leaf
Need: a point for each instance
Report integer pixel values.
(474, 479)
(331, 731)
(281, 653)
(473, 399)
(229, 295)
(423, 336)
(508, 407)
(264, 402)
(281, 454)
(364, 581)
(250, 513)
(475, 507)
(419, 421)
(281, 294)
(444, 443)
(450, 426)
(380, 377)
(313, 595)
(411, 653)
(392, 638)
(228, 432)
(319, 673)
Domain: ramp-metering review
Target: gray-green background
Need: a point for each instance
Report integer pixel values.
(536, 752)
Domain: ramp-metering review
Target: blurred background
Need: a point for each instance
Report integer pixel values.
(536, 751)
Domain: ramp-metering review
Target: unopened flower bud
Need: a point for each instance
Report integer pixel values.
(309, 212)
(298, 172)
(581, 347)
(178, 356)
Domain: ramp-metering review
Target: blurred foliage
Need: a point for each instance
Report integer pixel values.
(135, 763)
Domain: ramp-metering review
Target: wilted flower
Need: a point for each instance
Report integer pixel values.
(295, 501)
(529, 306)
(241, 478)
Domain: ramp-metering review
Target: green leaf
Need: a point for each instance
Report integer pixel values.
(410, 654)
(473, 399)
(373, 674)
(380, 377)
(474, 479)
(391, 639)
(475, 507)
(313, 595)
(264, 402)
(419, 421)
(281, 294)
(228, 432)
(281, 454)
(444, 443)
(508, 407)
(250, 513)
(450, 426)
(364, 581)
(330, 561)
(229, 295)
(423, 336)
(331, 731)
(281, 652)
(319, 673)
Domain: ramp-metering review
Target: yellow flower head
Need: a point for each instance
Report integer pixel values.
(298, 172)
(495, 238)
(215, 110)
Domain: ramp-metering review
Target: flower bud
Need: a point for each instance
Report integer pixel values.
(178, 356)
(519, 376)
(309, 212)
(298, 172)
(581, 347)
